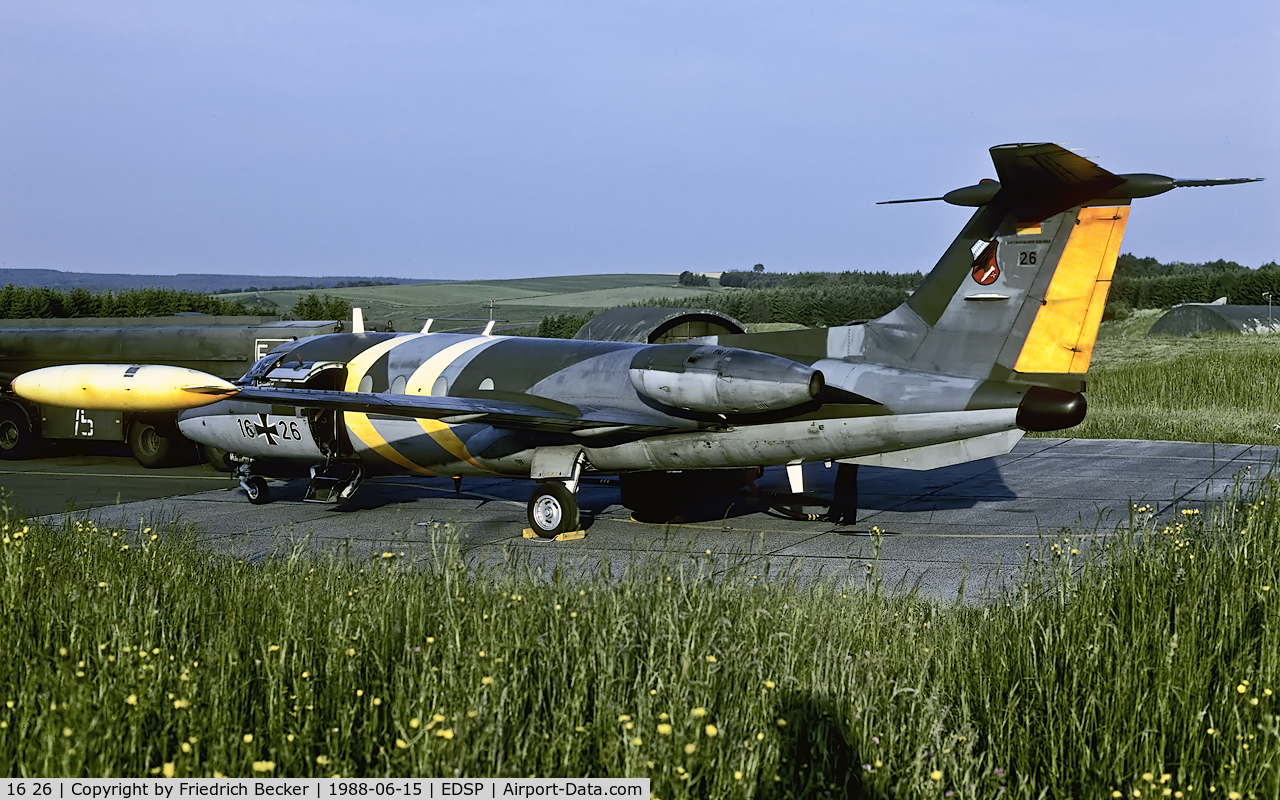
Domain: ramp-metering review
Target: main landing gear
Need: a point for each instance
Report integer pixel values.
(553, 509)
(844, 505)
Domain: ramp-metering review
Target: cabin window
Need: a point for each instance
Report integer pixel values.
(366, 384)
(440, 388)
(486, 385)
(397, 386)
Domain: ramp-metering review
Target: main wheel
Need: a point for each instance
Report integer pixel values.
(16, 436)
(256, 489)
(553, 510)
(151, 446)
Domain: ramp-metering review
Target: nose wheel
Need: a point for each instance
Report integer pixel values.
(255, 486)
(553, 510)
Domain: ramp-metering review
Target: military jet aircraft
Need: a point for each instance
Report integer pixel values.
(995, 342)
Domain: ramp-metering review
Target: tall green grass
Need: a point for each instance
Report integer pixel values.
(1200, 389)
(1142, 661)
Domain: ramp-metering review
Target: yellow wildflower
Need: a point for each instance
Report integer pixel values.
(264, 766)
(167, 770)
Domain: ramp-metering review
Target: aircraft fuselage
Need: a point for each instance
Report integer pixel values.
(701, 406)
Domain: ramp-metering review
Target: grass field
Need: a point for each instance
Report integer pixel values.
(1213, 388)
(1152, 672)
(523, 300)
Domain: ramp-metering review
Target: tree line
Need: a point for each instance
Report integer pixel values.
(1146, 283)
(35, 302)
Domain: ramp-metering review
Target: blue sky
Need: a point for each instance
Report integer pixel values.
(494, 139)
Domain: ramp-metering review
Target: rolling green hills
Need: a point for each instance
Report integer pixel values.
(523, 300)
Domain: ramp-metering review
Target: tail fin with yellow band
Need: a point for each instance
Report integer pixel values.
(1020, 292)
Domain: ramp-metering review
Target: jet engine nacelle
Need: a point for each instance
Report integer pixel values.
(722, 380)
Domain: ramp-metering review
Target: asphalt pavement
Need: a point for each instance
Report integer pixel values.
(969, 525)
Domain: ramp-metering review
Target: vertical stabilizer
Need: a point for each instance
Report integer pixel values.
(1020, 291)
(1023, 286)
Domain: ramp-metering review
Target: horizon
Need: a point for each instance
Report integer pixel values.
(410, 279)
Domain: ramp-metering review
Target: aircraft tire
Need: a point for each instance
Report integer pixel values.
(553, 510)
(217, 458)
(257, 490)
(150, 445)
(17, 440)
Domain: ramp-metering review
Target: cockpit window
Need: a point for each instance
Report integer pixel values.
(263, 365)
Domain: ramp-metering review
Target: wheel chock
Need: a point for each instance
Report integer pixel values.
(567, 536)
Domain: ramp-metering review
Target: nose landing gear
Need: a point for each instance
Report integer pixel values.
(255, 486)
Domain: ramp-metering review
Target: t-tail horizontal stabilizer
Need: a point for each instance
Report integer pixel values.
(1040, 180)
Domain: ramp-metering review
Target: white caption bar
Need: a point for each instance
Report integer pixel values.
(321, 788)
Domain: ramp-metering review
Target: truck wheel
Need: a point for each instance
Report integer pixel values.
(16, 436)
(217, 458)
(151, 446)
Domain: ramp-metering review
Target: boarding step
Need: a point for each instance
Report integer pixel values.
(334, 482)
